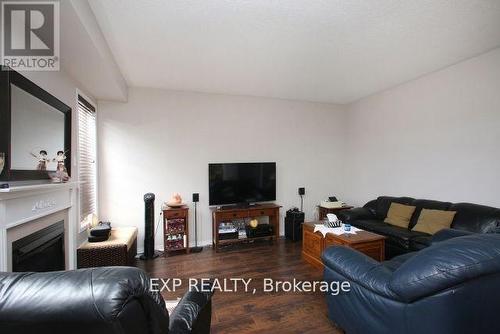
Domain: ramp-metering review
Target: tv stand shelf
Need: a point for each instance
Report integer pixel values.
(227, 214)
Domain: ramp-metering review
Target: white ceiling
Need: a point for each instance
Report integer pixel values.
(85, 55)
(315, 50)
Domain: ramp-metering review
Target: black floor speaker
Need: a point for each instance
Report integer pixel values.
(293, 224)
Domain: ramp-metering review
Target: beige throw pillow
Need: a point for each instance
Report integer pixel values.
(399, 215)
(431, 221)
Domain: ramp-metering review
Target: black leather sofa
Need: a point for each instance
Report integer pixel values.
(450, 287)
(470, 218)
(99, 301)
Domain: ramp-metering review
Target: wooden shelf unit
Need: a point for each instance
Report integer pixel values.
(226, 215)
(176, 223)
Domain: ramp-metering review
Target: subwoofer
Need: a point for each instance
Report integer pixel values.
(293, 224)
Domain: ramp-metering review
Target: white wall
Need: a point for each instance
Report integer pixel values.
(435, 137)
(162, 141)
(58, 83)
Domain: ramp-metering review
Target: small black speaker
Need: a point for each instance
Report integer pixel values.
(196, 197)
(302, 191)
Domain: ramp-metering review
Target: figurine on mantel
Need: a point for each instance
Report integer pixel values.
(42, 158)
(61, 156)
(61, 174)
(175, 201)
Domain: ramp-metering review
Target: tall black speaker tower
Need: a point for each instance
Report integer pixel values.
(196, 248)
(149, 232)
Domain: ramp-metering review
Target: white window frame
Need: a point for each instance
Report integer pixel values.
(83, 227)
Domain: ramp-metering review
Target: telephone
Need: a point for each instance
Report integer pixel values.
(333, 220)
(332, 203)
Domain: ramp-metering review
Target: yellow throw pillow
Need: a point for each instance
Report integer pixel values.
(399, 215)
(431, 221)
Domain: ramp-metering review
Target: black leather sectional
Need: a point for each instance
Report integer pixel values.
(470, 218)
(102, 300)
(450, 287)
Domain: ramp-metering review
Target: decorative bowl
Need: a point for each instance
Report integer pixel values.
(174, 205)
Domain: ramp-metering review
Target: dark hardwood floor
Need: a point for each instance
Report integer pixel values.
(240, 312)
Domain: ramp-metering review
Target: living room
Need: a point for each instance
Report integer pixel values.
(246, 159)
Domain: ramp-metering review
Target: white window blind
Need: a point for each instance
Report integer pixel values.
(87, 149)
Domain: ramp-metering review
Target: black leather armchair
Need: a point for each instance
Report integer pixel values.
(99, 301)
(452, 287)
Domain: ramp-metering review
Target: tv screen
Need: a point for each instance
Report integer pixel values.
(233, 183)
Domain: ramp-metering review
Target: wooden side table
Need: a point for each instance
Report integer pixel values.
(176, 230)
(313, 244)
(119, 250)
(324, 211)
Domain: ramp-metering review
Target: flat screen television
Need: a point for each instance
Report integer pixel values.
(241, 183)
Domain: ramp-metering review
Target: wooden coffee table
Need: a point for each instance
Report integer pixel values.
(313, 244)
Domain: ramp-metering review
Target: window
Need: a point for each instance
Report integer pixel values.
(87, 169)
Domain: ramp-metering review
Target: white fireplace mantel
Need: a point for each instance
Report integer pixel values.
(27, 203)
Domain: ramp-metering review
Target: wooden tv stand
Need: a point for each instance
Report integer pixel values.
(228, 214)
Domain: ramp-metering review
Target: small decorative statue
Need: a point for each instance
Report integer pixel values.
(61, 174)
(175, 200)
(61, 156)
(253, 223)
(42, 158)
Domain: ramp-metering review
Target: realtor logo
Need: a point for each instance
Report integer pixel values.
(30, 35)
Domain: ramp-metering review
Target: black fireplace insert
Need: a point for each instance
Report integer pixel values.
(40, 251)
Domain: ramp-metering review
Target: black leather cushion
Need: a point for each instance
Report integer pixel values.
(371, 205)
(475, 218)
(354, 265)
(420, 242)
(449, 233)
(397, 261)
(396, 235)
(368, 224)
(193, 313)
(355, 214)
(399, 235)
(446, 264)
(426, 204)
(384, 202)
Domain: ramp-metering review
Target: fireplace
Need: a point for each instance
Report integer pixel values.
(42, 250)
(27, 209)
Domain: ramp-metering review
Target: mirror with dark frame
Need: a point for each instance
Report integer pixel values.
(35, 130)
